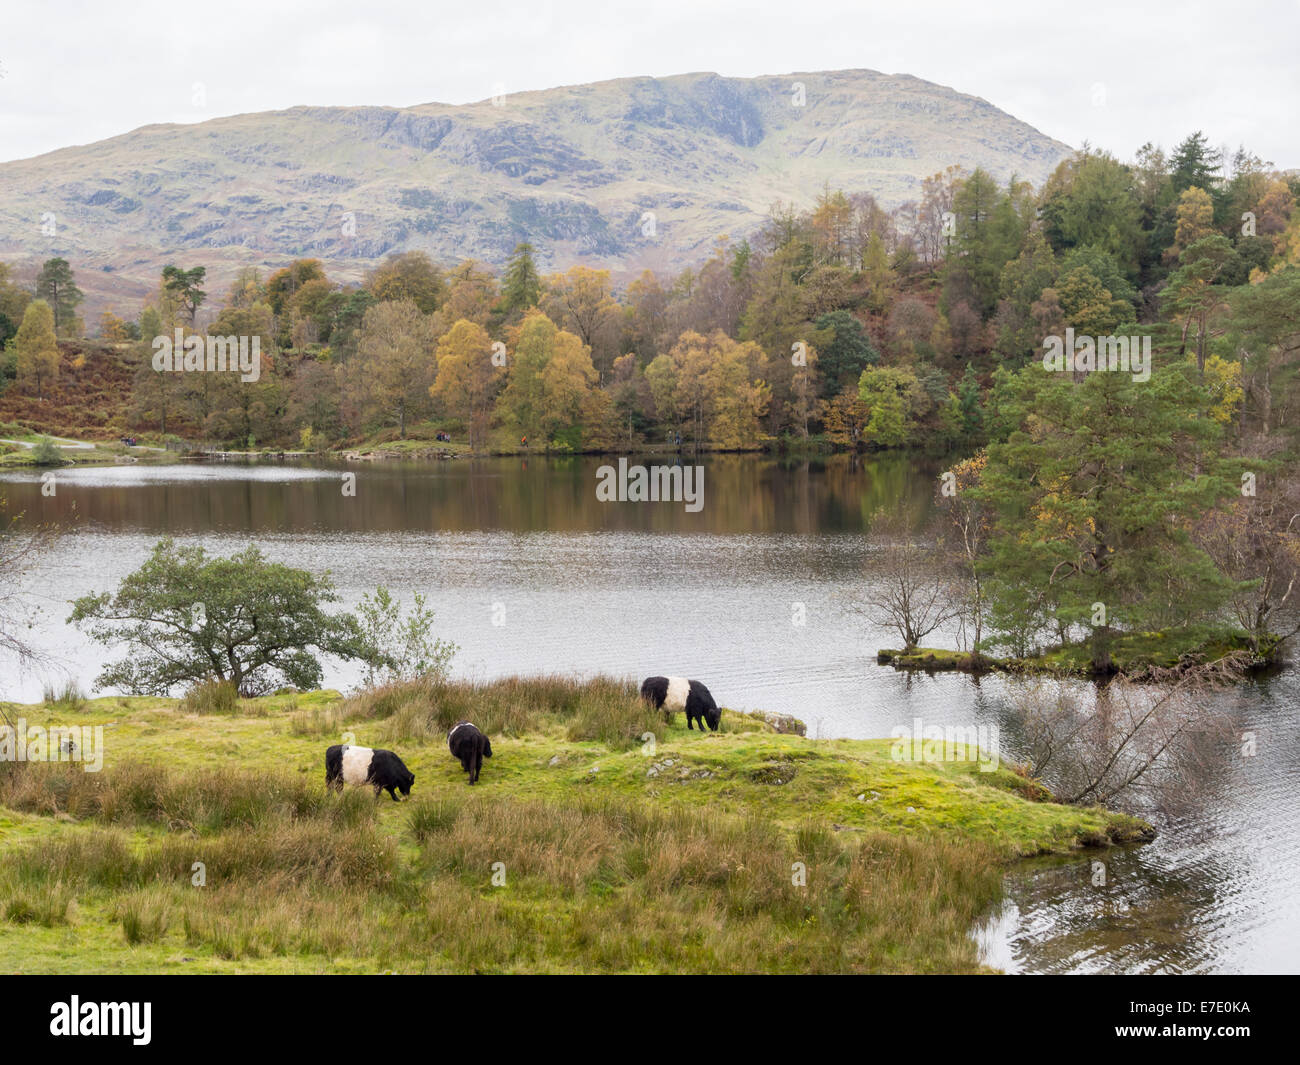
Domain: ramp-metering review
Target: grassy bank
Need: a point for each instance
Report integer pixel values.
(612, 853)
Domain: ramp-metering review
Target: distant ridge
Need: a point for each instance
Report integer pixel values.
(628, 174)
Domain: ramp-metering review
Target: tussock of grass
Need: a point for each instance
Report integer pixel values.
(68, 699)
(211, 697)
(41, 899)
(145, 915)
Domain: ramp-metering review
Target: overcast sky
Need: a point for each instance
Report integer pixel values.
(1109, 73)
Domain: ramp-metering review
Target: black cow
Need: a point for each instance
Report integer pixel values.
(468, 744)
(382, 770)
(677, 693)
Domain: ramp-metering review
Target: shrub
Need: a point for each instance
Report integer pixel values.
(48, 453)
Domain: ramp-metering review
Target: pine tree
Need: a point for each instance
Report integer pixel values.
(54, 285)
(522, 286)
(1094, 489)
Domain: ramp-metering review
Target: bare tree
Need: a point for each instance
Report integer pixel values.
(912, 591)
(1256, 542)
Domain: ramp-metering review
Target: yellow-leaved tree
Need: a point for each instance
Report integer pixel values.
(36, 348)
(548, 381)
(468, 377)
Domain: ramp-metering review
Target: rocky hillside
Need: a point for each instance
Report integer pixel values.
(629, 174)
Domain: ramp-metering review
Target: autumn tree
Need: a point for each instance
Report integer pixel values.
(37, 348)
(844, 419)
(1193, 220)
(647, 316)
(396, 362)
(471, 295)
(738, 394)
(280, 291)
(408, 276)
(313, 311)
(113, 329)
(549, 375)
(581, 302)
(567, 381)
(13, 297)
(468, 378)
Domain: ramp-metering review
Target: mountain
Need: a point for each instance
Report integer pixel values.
(581, 171)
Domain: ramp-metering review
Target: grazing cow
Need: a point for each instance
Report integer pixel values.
(468, 744)
(382, 770)
(677, 693)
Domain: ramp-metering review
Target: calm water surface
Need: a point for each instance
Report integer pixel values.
(529, 573)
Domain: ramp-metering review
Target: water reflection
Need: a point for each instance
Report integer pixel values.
(741, 494)
(1218, 891)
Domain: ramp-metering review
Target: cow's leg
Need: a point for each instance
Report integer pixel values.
(393, 792)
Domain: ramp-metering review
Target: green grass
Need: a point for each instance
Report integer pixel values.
(620, 853)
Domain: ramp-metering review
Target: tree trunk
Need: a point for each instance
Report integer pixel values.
(1101, 661)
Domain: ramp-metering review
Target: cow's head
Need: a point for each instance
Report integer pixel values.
(405, 786)
(714, 717)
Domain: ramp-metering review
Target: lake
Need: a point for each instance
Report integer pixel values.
(757, 594)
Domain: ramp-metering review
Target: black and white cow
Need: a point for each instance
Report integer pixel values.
(677, 693)
(382, 770)
(469, 745)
